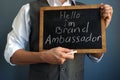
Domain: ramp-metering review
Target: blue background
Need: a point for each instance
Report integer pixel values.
(107, 69)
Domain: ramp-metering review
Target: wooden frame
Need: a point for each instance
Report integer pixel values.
(103, 33)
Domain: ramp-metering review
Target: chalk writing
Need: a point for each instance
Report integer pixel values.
(74, 39)
(69, 27)
(73, 15)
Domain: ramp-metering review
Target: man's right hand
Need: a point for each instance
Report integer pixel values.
(56, 55)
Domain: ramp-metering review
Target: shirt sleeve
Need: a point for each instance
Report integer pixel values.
(94, 59)
(18, 37)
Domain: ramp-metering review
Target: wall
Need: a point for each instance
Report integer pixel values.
(107, 69)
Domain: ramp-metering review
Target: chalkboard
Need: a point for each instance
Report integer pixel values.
(74, 27)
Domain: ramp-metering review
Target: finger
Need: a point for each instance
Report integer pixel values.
(105, 7)
(72, 52)
(106, 15)
(69, 56)
(65, 50)
(101, 5)
(107, 19)
(61, 60)
(106, 11)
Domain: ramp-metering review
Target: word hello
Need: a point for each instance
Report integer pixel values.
(72, 15)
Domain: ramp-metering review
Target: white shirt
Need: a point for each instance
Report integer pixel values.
(19, 36)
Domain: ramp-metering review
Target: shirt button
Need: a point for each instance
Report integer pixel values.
(62, 69)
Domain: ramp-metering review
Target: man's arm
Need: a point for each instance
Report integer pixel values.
(97, 55)
(22, 57)
(56, 55)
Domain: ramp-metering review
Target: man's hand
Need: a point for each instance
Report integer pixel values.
(106, 13)
(56, 55)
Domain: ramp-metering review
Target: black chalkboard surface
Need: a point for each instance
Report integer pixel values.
(74, 27)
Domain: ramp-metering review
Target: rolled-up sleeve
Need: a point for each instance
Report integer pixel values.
(94, 59)
(18, 37)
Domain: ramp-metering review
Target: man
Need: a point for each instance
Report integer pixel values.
(54, 64)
